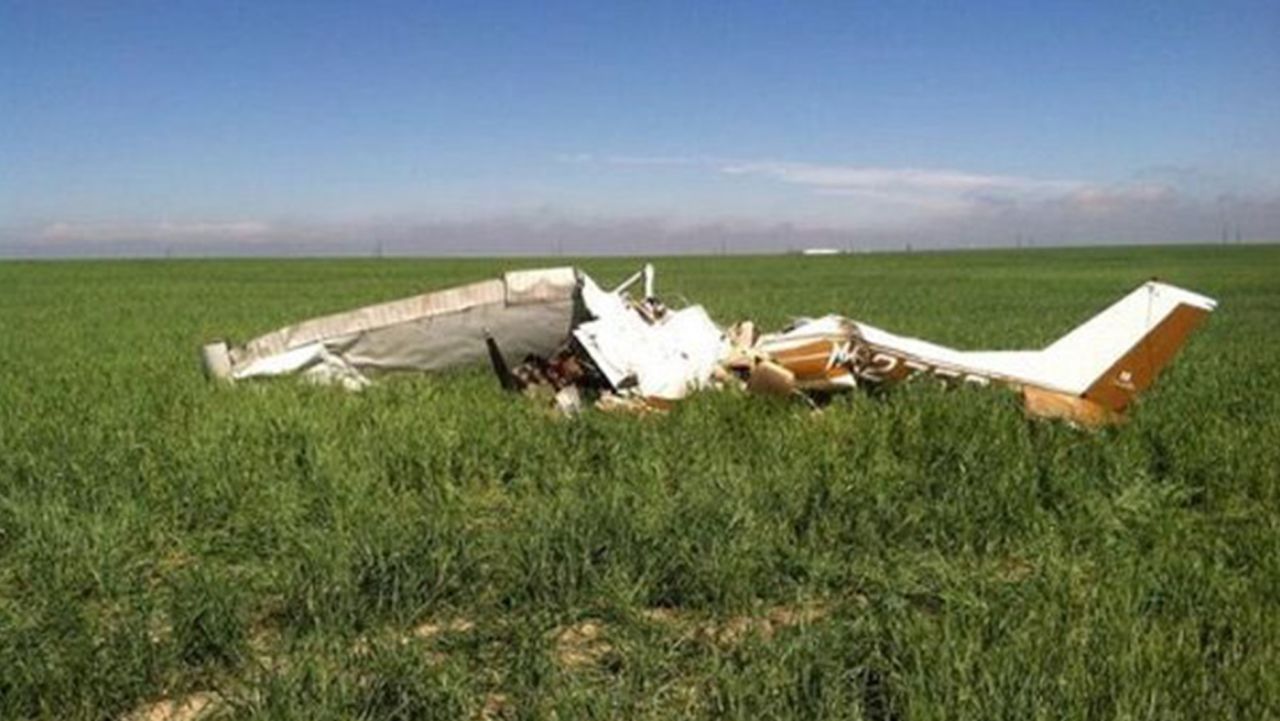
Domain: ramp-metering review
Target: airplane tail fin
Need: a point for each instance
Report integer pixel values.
(1115, 355)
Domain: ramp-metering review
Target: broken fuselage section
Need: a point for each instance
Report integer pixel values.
(556, 333)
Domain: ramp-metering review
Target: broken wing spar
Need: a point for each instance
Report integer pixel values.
(561, 330)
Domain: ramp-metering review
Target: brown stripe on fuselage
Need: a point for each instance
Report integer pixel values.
(1126, 378)
(810, 360)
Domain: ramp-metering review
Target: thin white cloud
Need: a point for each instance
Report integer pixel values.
(881, 191)
(897, 182)
(949, 206)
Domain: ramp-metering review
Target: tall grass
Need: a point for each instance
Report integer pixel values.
(278, 544)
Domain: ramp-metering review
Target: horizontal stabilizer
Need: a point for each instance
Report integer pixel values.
(1119, 352)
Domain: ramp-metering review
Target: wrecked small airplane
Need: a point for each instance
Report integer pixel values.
(556, 333)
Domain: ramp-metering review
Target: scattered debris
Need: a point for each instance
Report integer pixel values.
(557, 335)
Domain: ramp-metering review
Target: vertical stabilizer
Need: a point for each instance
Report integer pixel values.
(1115, 355)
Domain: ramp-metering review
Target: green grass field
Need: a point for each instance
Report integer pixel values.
(433, 548)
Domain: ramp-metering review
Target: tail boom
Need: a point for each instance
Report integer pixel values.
(1091, 375)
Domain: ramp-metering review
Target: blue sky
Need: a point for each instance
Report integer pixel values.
(222, 125)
